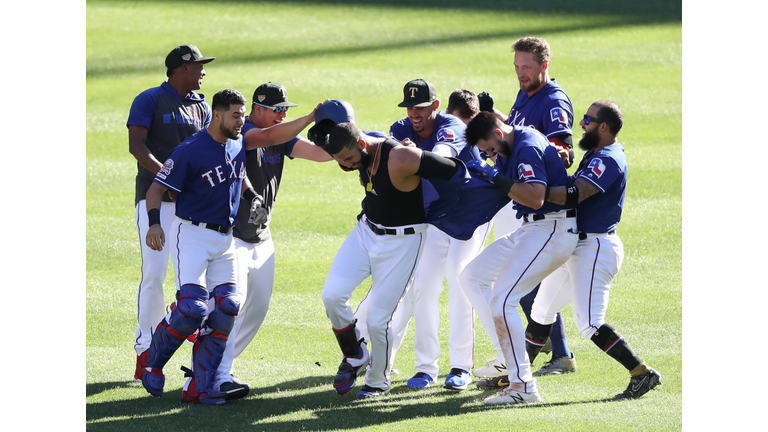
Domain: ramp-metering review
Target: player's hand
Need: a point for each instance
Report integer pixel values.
(566, 154)
(259, 214)
(156, 237)
(482, 170)
(486, 101)
(407, 142)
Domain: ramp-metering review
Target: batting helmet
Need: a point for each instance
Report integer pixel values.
(328, 115)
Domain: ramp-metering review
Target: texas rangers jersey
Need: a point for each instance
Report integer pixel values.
(607, 171)
(533, 160)
(205, 174)
(265, 171)
(549, 110)
(448, 130)
(170, 120)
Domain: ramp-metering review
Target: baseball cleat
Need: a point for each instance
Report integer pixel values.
(368, 392)
(420, 380)
(141, 362)
(190, 394)
(153, 381)
(509, 396)
(493, 368)
(345, 377)
(493, 383)
(557, 366)
(457, 379)
(641, 385)
(235, 389)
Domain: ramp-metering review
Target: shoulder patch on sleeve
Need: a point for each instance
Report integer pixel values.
(446, 134)
(525, 171)
(165, 171)
(558, 114)
(596, 168)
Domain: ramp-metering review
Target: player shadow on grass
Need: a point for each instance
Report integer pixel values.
(275, 407)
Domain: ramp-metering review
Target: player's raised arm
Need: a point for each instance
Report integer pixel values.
(279, 133)
(407, 165)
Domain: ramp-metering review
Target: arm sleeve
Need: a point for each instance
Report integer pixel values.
(435, 166)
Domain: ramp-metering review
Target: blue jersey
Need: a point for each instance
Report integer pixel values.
(169, 119)
(549, 111)
(533, 160)
(207, 177)
(607, 171)
(448, 131)
(265, 171)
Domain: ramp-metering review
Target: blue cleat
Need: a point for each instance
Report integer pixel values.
(457, 379)
(420, 380)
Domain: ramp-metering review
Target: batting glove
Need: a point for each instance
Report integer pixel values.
(482, 170)
(486, 101)
(259, 214)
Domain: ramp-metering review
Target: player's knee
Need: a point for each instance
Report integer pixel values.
(332, 293)
(226, 308)
(191, 310)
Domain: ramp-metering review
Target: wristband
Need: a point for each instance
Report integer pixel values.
(249, 194)
(504, 183)
(571, 196)
(154, 216)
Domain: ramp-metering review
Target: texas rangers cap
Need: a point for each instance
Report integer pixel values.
(272, 94)
(418, 93)
(184, 54)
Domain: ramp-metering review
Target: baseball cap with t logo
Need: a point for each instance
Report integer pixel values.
(184, 54)
(272, 95)
(418, 93)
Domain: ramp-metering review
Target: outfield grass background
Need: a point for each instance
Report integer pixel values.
(364, 52)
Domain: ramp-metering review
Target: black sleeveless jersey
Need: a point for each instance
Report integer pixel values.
(384, 204)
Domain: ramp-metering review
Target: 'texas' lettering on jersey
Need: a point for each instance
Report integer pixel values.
(217, 175)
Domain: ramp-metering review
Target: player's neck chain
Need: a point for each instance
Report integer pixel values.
(369, 171)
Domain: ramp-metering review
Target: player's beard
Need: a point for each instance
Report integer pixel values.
(532, 85)
(503, 148)
(365, 160)
(589, 141)
(233, 133)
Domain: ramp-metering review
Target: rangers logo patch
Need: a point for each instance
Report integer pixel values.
(596, 166)
(525, 171)
(559, 115)
(167, 167)
(446, 135)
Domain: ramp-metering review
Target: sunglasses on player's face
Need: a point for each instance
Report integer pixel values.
(589, 119)
(277, 110)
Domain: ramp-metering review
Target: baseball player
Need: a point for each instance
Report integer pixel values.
(598, 188)
(543, 105)
(385, 244)
(253, 241)
(160, 119)
(513, 265)
(206, 173)
(443, 258)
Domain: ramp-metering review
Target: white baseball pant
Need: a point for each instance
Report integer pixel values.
(390, 261)
(255, 280)
(154, 267)
(443, 257)
(585, 281)
(518, 262)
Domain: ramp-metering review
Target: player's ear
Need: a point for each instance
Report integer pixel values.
(362, 143)
(544, 65)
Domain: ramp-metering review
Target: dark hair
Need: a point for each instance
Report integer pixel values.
(536, 46)
(225, 98)
(481, 127)
(465, 102)
(610, 113)
(343, 135)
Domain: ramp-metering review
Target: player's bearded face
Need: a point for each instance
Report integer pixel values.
(232, 121)
(589, 140)
(365, 159)
(530, 74)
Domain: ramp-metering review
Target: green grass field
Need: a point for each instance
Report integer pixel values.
(364, 52)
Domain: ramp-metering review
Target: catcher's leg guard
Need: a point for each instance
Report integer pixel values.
(536, 336)
(209, 349)
(170, 334)
(615, 346)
